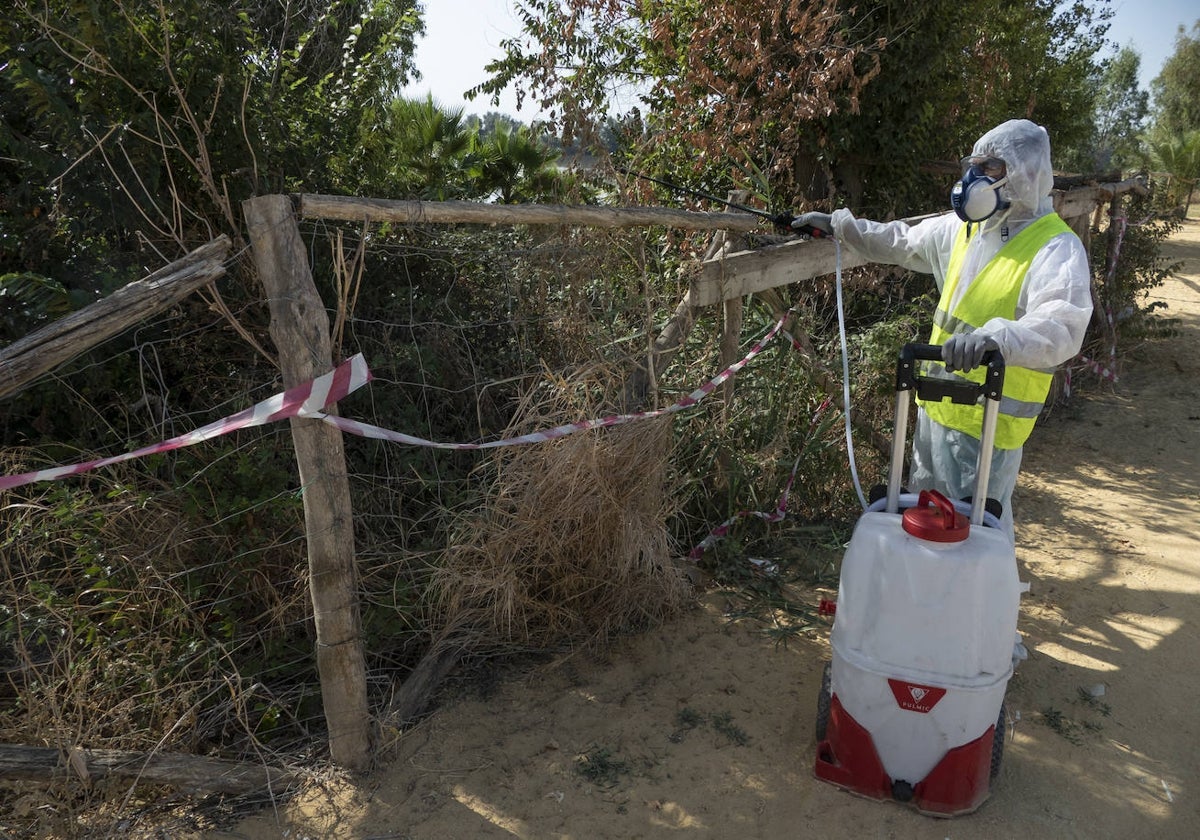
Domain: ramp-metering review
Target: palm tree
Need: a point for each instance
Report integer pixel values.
(513, 164)
(27, 300)
(428, 150)
(1179, 156)
(422, 151)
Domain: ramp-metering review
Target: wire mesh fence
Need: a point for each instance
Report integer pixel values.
(163, 604)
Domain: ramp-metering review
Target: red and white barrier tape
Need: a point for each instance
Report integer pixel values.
(366, 430)
(309, 399)
(303, 400)
(725, 527)
(1097, 367)
(1101, 370)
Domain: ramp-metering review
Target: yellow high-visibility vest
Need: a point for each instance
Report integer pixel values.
(993, 294)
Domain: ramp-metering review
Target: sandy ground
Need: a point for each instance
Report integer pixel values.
(704, 727)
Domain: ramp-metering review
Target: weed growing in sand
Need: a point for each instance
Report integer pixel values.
(1092, 702)
(600, 767)
(1063, 725)
(1070, 729)
(779, 596)
(1073, 730)
(723, 723)
(687, 719)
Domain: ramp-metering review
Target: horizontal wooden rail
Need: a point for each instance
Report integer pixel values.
(351, 209)
(1083, 200)
(746, 272)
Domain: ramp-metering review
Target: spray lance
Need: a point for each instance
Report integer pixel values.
(782, 221)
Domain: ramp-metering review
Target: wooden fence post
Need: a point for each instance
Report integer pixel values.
(300, 329)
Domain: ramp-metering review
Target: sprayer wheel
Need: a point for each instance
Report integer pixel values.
(998, 743)
(824, 700)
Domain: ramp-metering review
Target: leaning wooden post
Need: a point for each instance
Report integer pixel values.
(26, 359)
(300, 329)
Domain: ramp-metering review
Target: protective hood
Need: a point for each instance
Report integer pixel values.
(1024, 147)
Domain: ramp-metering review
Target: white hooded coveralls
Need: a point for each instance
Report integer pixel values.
(1053, 310)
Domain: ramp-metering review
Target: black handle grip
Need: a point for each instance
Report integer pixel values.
(809, 230)
(958, 389)
(921, 352)
(784, 224)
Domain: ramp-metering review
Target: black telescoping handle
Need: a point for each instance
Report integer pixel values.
(958, 390)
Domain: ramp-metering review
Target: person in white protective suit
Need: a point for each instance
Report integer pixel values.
(1012, 276)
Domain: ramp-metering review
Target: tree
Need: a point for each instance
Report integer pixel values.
(142, 121)
(943, 83)
(491, 121)
(515, 165)
(831, 100)
(708, 92)
(420, 150)
(426, 149)
(130, 132)
(1176, 89)
(1121, 110)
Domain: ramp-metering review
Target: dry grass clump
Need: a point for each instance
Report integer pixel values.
(572, 544)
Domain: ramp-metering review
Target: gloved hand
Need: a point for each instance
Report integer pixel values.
(820, 221)
(964, 351)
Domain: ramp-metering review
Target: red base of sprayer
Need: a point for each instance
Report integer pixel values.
(959, 784)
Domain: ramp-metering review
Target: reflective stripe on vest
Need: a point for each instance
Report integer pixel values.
(993, 294)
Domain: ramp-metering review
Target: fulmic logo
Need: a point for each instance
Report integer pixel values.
(915, 697)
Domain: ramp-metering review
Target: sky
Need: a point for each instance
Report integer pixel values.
(461, 36)
(1149, 26)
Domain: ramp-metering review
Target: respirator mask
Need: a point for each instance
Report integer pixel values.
(976, 196)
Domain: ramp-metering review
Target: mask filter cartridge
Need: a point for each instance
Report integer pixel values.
(976, 196)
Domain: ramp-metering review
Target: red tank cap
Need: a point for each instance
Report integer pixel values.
(935, 519)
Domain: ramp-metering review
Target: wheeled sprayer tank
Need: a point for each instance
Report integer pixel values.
(912, 704)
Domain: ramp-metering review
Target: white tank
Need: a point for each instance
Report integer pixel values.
(923, 638)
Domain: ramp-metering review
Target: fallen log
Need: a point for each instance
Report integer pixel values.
(188, 773)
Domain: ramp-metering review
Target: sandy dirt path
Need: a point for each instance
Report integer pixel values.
(704, 727)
